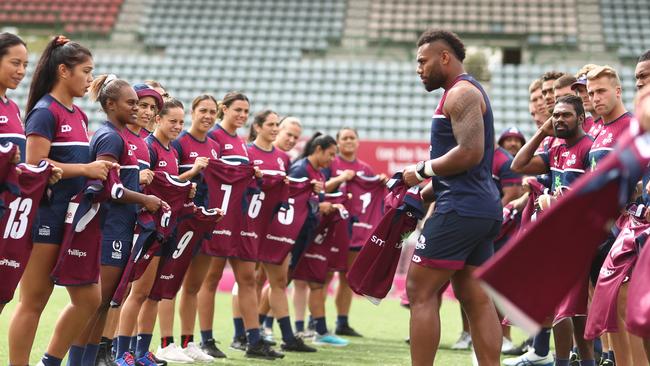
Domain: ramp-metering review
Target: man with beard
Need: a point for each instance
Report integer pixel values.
(459, 236)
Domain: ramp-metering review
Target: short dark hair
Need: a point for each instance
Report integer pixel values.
(551, 75)
(645, 56)
(575, 101)
(451, 38)
(564, 81)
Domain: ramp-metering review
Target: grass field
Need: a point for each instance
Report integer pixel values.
(385, 327)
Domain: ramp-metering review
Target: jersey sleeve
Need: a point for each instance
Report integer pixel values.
(41, 122)
(109, 144)
(298, 171)
(507, 176)
(327, 172)
(153, 156)
(178, 147)
(546, 157)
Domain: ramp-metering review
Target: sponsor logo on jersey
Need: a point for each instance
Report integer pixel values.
(166, 277)
(416, 258)
(66, 128)
(130, 152)
(214, 154)
(281, 164)
(162, 163)
(44, 230)
(222, 232)
(374, 239)
(315, 256)
(194, 154)
(250, 234)
(9, 263)
(77, 253)
(280, 239)
(258, 162)
(133, 147)
(4, 119)
(227, 147)
(571, 160)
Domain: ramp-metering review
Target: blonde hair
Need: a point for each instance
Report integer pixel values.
(585, 70)
(604, 71)
(534, 85)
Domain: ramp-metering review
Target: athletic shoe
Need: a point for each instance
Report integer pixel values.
(194, 352)
(263, 351)
(407, 340)
(464, 342)
(521, 349)
(506, 345)
(330, 340)
(298, 345)
(268, 339)
(607, 362)
(173, 353)
(210, 348)
(574, 359)
(346, 330)
(305, 334)
(158, 361)
(105, 355)
(126, 360)
(267, 331)
(146, 360)
(40, 363)
(239, 344)
(530, 358)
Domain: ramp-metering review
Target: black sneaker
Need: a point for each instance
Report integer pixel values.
(521, 349)
(158, 361)
(104, 355)
(298, 345)
(346, 330)
(239, 344)
(574, 360)
(606, 362)
(263, 351)
(210, 347)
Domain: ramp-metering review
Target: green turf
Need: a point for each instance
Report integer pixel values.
(385, 327)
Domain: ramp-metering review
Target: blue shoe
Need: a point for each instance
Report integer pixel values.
(125, 360)
(146, 360)
(330, 340)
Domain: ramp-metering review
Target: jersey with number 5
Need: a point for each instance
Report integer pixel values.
(16, 223)
(227, 185)
(286, 223)
(192, 228)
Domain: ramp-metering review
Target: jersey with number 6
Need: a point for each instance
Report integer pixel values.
(366, 206)
(228, 183)
(286, 223)
(194, 226)
(15, 225)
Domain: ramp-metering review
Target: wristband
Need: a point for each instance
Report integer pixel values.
(419, 177)
(428, 170)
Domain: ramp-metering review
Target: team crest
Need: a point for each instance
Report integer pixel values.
(281, 164)
(214, 154)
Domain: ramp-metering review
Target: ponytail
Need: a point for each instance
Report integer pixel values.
(228, 100)
(106, 87)
(318, 139)
(59, 51)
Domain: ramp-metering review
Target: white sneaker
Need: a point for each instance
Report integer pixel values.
(195, 353)
(507, 345)
(463, 343)
(530, 358)
(173, 353)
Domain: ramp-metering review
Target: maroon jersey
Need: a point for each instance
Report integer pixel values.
(616, 270)
(339, 165)
(338, 240)
(78, 261)
(274, 160)
(263, 204)
(11, 127)
(195, 224)
(594, 127)
(313, 264)
(607, 137)
(601, 194)
(372, 272)
(233, 147)
(8, 174)
(16, 243)
(637, 318)
(228, 183)
(144, 133)
(189, 148)
(139, 148)
(366, 206)
(163, 159)
(286, 223)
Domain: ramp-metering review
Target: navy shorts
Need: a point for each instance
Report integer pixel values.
(49, 224)
(116, 253)
(450, 241)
